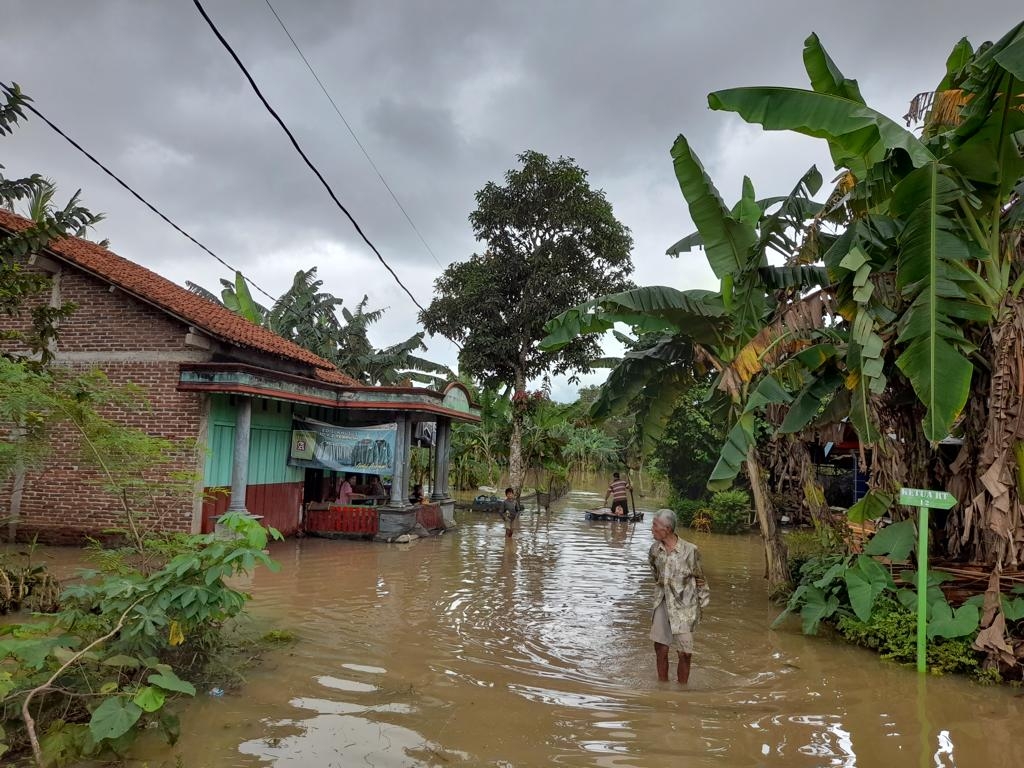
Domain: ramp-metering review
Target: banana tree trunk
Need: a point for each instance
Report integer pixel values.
(776, 566)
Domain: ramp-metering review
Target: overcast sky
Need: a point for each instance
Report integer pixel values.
(443, 95)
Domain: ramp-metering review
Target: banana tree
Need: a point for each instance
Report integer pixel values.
(927, 274)
(719, 331)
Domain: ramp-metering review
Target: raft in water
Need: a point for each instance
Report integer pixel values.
(606, 514)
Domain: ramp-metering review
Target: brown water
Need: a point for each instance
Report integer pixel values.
(472, 651)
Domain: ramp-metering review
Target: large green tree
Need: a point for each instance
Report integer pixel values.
(551, 241)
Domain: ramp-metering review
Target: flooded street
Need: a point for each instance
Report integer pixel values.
(469, 650)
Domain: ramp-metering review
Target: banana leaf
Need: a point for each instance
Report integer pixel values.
(653, 308)
(741, 436)
(930, 274)
(804, 277)
(859, 137)
(727, 241)
(825, 75)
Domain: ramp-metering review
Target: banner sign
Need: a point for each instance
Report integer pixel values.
(364, 450)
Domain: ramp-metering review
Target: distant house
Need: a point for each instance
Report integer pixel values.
(235, 388)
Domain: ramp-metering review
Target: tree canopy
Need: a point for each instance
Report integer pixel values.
(551, 242)
(21, 288)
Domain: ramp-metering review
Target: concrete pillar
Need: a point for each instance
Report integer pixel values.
(240, 466)
(443, 450)
(446, 457)
(437, 481)
(399, 472)
(407, 458)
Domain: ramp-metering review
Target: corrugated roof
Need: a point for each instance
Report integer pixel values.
(208, 316)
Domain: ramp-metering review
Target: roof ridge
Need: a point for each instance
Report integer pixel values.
(165, 294)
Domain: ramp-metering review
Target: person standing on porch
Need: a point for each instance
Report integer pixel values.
(345, 491)
(680, 592)
(619, 490)
(510, 509)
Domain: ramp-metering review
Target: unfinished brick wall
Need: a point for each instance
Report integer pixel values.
(132, 342)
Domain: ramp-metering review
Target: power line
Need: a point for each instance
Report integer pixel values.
(355, 138)
(139, 197)
(295, 143)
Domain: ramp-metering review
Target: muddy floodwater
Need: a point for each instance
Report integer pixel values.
(472, 651)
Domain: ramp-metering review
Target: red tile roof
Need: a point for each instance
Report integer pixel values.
(208, 316)
(334, 376)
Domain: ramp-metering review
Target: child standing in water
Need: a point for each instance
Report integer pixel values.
(510, 509)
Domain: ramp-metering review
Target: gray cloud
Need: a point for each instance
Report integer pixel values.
(443, 94)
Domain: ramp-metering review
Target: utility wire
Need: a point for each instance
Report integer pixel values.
(139, 197)
(355, 138)
(295, 143)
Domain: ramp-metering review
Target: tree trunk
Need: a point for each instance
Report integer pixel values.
(776, 565)
(516, 471)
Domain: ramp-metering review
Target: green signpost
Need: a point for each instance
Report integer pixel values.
(925, 500)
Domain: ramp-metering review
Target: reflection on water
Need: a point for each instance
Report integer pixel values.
(471, 650)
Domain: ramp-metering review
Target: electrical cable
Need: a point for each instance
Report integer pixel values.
(295, 143)
(355, 138)
(139, 197)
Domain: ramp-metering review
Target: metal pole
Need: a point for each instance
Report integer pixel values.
(922, 589)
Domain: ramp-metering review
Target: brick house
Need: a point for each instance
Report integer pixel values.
(212, 377)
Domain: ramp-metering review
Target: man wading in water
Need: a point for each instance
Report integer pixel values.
(680, 592)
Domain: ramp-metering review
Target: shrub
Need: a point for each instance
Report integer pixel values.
(730, 512)
(106, 666)
(807, 544)
(892, 631)
(685, 509)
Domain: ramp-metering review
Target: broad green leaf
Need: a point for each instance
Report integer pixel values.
(149, 698)
(865, 582)
(767, 392)
(65, 743)
(816, 608)
(1013, 609)
(807, 402)
(834, 571)
(727, 241)
(1011, 52)
(747, 211)
(121, 660)
(946, 622)
(741, 437)
(654, 308)
(804, 277)
(873, 505)
(685, 244)
(825, 75)
(895, 541)
(814, 357)
(859, 137)
(733, 454)
(171, 682)
(247, 308)
(941, 377)
(113, 718)
(956, 61)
